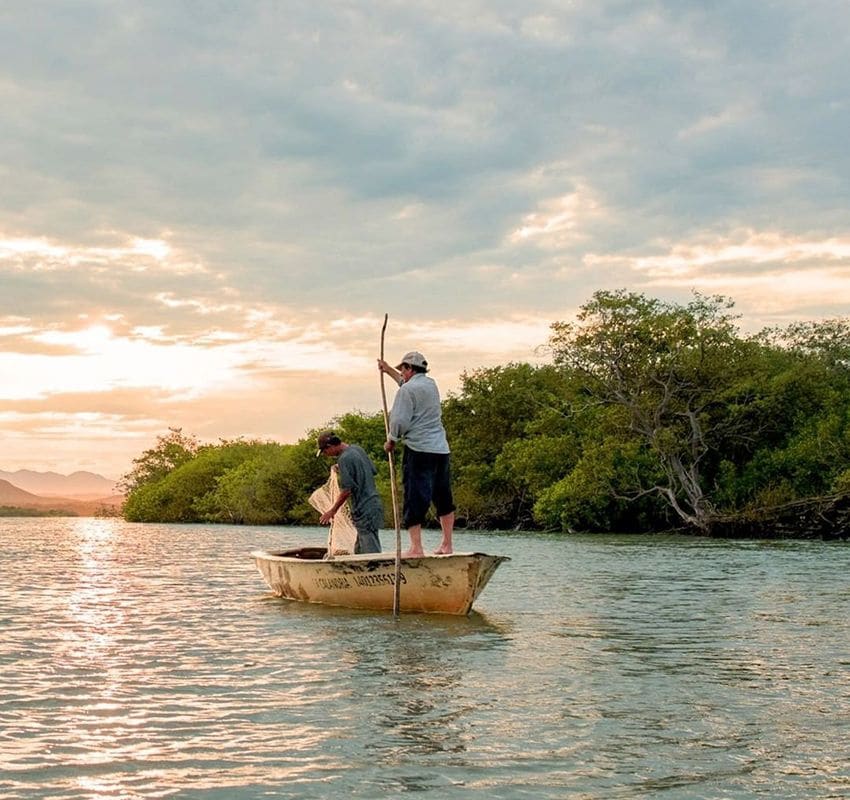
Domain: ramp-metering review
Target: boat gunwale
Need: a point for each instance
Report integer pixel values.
(360, 557)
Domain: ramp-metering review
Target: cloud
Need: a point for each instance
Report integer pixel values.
(747, 249)
(558, 221)
(211, 207)
(770, 273)
(137, 254)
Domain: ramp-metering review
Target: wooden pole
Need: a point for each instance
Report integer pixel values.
(397, 582)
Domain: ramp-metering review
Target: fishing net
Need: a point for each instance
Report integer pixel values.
(343, 535)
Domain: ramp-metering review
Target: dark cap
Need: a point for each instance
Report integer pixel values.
(326, 439)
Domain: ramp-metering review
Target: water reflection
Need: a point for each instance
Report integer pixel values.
(419, 682)
(430, 669)
(97, 726)
(93, 614)
(143, 662)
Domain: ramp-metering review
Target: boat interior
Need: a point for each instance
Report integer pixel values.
(306, 553)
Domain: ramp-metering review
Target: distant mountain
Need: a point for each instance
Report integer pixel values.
(12, 496)
(78, 485)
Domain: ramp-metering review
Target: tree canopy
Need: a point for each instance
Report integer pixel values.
(651, 415)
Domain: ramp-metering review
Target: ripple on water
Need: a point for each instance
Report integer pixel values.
(149, 661)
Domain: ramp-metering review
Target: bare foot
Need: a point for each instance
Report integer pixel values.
(443, 551)
(413, 554)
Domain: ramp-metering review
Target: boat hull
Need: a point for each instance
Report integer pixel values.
(444, 584)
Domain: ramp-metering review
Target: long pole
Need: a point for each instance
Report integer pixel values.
(397, 582)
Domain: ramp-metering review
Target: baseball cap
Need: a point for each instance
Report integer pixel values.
(326, 439)
(415, 359)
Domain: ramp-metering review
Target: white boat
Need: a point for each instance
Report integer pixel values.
(438, 584)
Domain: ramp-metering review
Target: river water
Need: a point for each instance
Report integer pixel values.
(150, 661)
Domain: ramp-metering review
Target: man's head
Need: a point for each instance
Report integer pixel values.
(329, 444)
(412, 363)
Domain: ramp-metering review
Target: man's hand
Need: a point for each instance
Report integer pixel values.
(326, 518)
(389, 446)
(384, 367)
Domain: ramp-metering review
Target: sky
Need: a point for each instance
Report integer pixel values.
(206, 208)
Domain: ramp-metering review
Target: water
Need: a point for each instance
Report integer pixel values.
(150, 662)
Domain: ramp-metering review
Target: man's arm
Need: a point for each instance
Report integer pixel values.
(401, 415)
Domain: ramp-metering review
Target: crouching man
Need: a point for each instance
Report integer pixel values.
(357, 481)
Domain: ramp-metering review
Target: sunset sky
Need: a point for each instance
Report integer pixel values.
(206, 208)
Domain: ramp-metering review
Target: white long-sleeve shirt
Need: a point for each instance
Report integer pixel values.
(416, 416)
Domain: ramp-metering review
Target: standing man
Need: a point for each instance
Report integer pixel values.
(416, 417)
(357, 481)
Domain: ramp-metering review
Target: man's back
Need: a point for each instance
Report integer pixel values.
(357, 474)
(417, 416)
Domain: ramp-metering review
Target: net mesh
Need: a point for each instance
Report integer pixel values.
(343, 535)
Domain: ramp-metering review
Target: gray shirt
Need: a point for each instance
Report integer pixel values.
(417, 416)
(357, 474)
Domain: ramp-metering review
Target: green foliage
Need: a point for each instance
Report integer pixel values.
(268, 487)
(651, 415)
(15, 511)
(182, 495)
(492, 421)
(808, 462)
(827, 341)
(841, 483)
(665, 366)
(241, 482)
(602, 491)
(172, 450)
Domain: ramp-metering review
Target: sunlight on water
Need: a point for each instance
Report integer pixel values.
(151, 661)
(93, 616)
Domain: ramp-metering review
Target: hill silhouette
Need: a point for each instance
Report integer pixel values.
(80, 485)
(12, 497)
